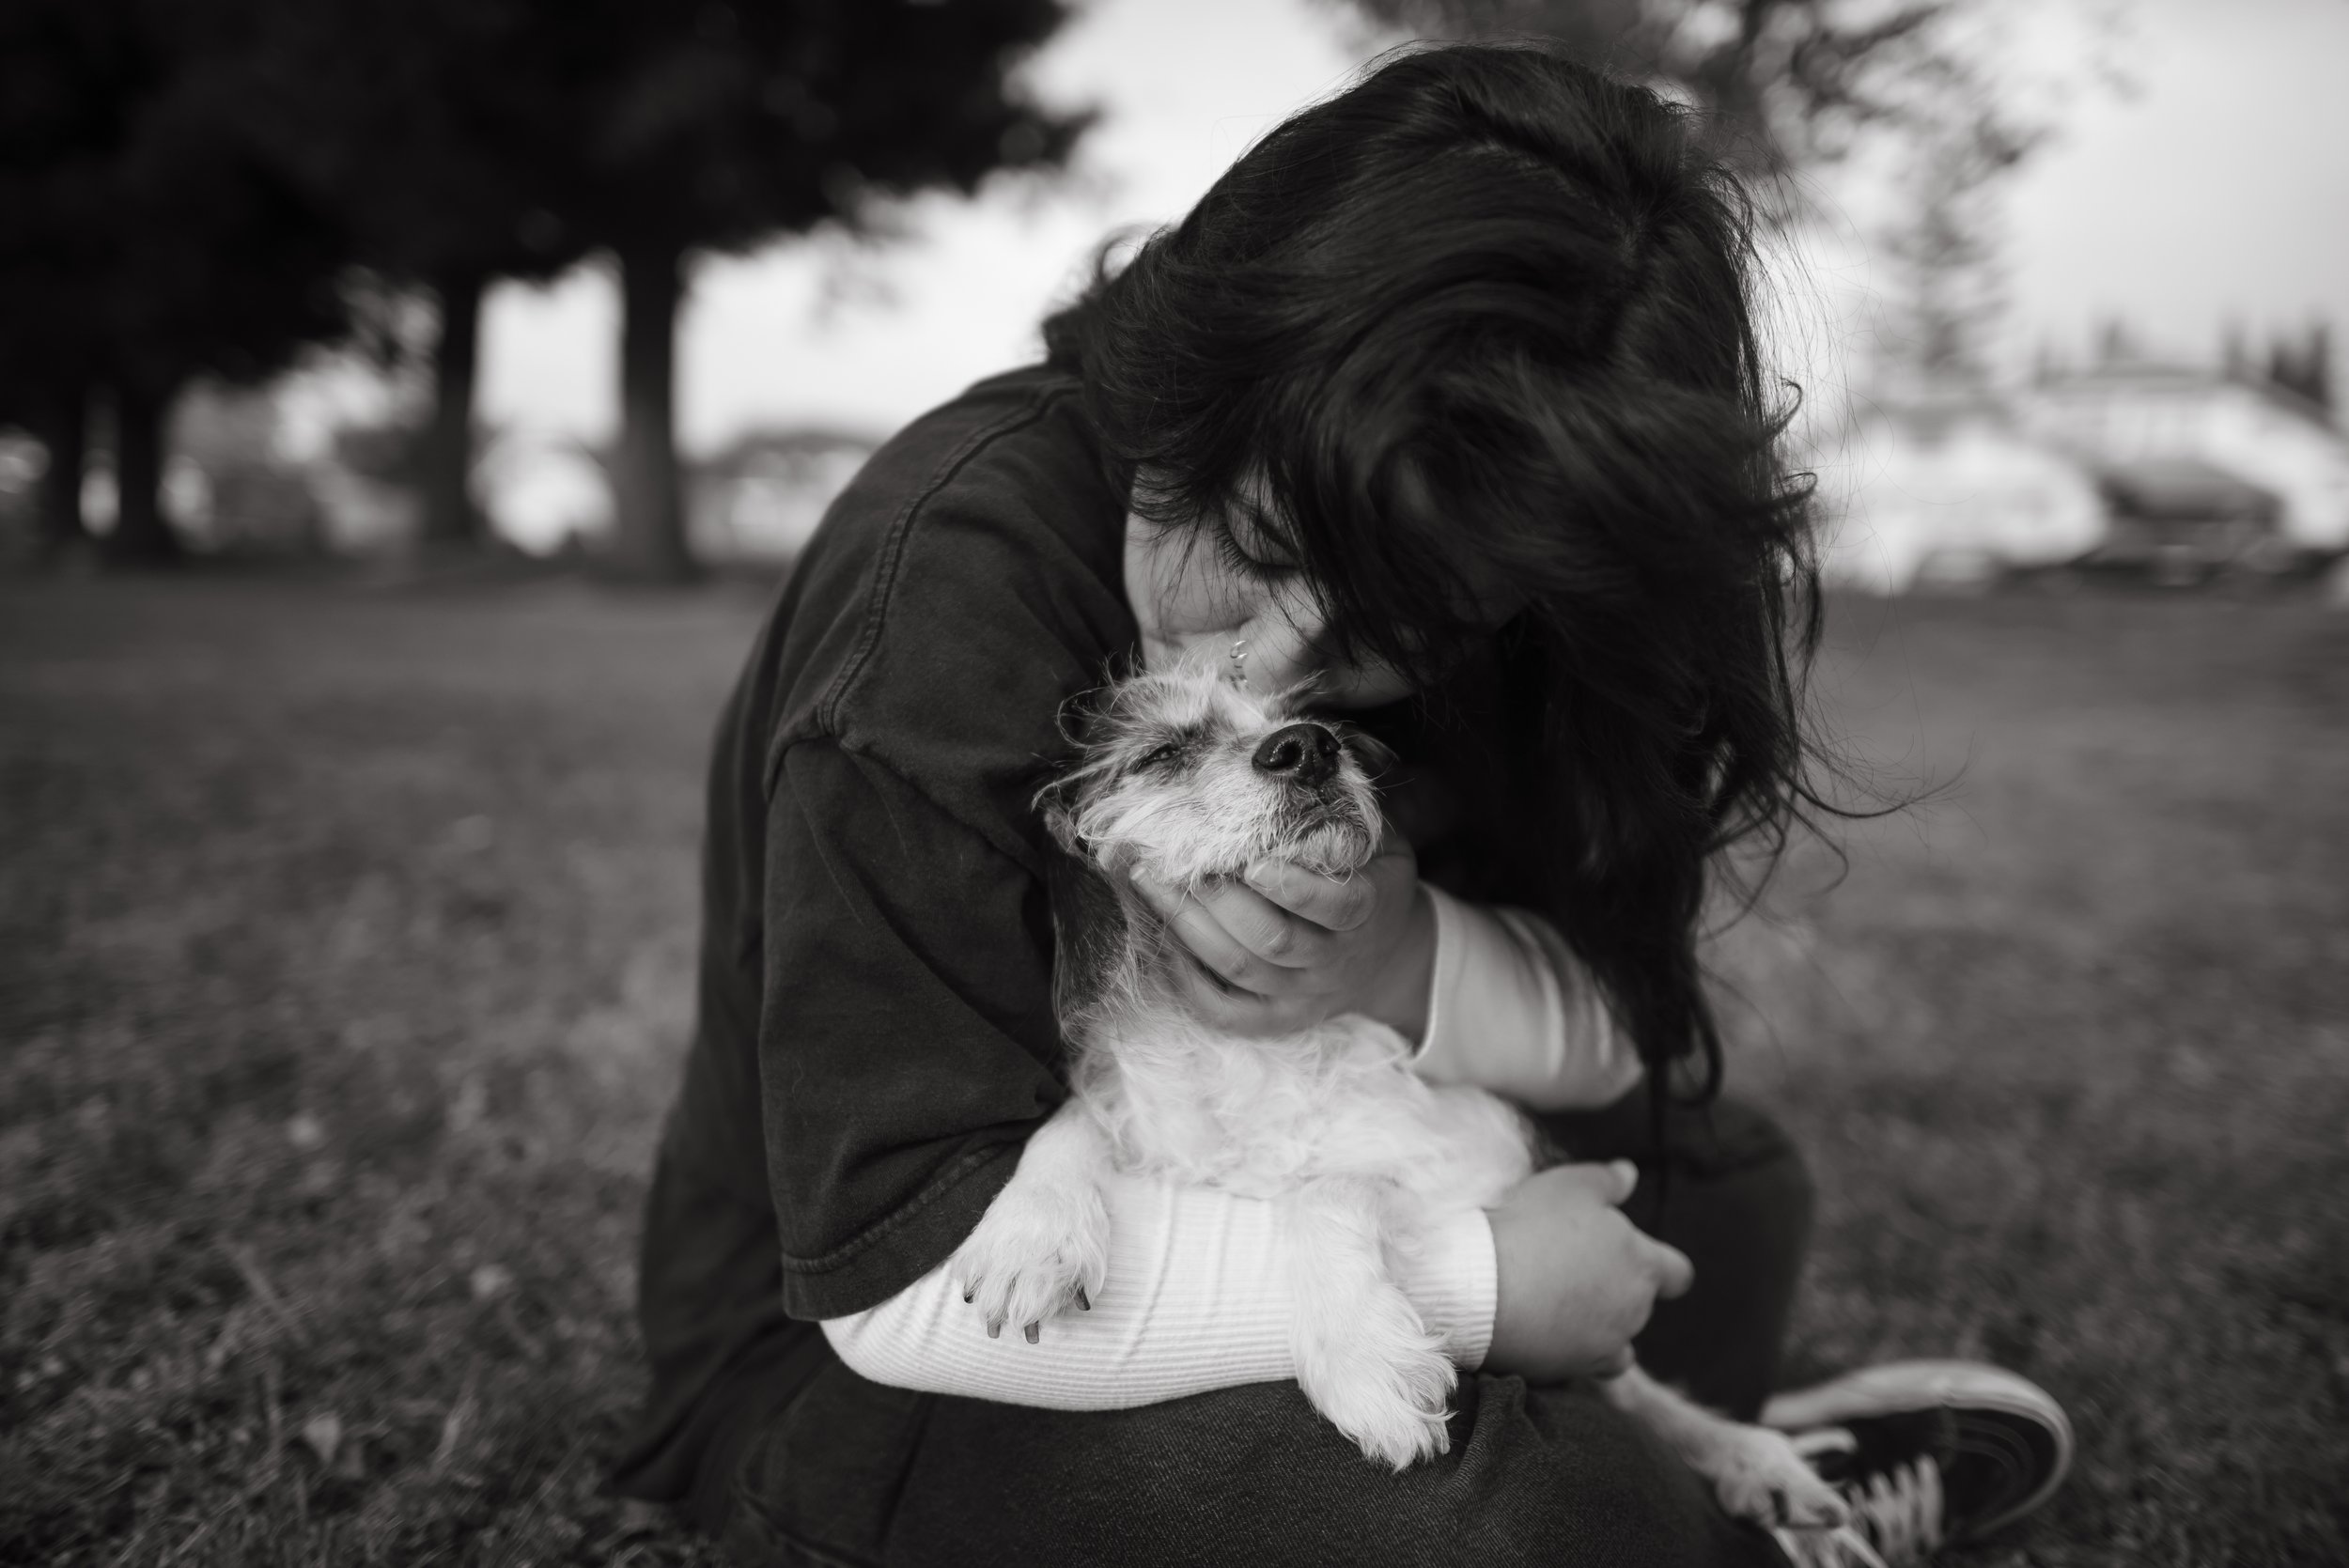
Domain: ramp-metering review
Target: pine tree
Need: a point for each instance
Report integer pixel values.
(1784, 83)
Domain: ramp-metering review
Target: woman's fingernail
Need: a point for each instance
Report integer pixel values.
(1628, 1171)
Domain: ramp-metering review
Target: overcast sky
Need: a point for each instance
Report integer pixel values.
(2222, 190)
(2219, 190)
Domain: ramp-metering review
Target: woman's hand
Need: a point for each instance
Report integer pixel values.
(1577, 1280)
(1284, 948)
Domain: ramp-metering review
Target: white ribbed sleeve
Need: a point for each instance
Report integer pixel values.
(1198, 1295)
(1511, 1010)
(1198, 1298)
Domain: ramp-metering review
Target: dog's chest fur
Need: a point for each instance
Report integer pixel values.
(1263, 1117)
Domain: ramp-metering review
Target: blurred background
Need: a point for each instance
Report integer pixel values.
(2058, 281)
(407, 408)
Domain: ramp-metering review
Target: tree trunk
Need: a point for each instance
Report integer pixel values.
(140, 534)
(65, 432)
(450, 515)
(651, 542)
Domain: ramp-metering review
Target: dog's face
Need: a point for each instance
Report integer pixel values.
(1185, 777)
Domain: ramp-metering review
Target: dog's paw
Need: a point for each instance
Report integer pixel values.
(1394, 1409)
(1041, 1250)
(1381, 1379)
(1757, 1475)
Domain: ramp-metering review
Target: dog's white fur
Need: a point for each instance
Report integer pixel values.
(1363, 1156)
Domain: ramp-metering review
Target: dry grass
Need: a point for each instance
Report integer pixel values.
(2069, 1049)
(348, 937)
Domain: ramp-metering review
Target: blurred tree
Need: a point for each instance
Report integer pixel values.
(1943, 250)
(1785, 82)
(674, 128)
(2116, 342)
(221, 264)
(149, 239)
(68, 73)
(436, 129)
(1788, 85)
(2304, 364)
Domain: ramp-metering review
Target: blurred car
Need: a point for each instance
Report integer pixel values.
(2182, 521)
(1943, 489)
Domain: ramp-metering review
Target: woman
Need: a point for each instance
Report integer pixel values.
(1445, 398)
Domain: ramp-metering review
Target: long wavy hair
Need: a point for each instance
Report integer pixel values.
(1487, 317)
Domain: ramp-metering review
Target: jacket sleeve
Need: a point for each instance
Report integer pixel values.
(906, 1040)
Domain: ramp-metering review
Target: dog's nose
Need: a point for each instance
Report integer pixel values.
(1306, 753)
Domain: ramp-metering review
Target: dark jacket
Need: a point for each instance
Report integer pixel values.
(874, 1037)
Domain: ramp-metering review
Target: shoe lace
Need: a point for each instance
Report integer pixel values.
(1840, 1547)
(1896, 1517)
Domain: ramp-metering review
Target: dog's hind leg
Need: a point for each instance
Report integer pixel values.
(1043, 1246)
(1363, 1356)
(1755, 1472)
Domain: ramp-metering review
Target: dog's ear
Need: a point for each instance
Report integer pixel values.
(1374, 755)
(1088, 920)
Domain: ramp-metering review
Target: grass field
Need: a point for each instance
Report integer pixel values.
(344, 945)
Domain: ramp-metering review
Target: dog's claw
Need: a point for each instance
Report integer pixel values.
(994, 1327)
(1031, 1330)
(1083, 1305)
(1778, 1504)
(969, 1295)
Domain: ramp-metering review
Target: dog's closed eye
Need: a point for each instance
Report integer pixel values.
(1178, 748)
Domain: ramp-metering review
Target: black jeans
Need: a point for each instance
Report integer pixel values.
(849, 1472)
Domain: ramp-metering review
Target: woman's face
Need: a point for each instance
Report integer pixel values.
(1241, 606)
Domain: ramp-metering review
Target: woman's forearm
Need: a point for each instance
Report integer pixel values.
(1405, 993)
(1198, 1299)
(1512, 1010)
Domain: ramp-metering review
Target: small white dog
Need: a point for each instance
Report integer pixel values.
(1188, 778)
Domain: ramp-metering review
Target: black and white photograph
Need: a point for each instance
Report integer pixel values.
(1175, 783)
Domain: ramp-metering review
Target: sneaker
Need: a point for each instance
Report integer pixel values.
(1928, 1454)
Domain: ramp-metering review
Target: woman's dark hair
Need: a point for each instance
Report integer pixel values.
(1483, 319)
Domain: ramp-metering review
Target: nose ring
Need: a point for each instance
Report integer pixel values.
(1238, 656)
